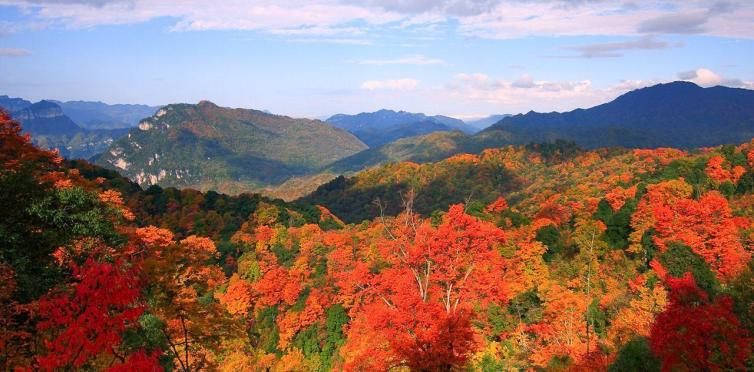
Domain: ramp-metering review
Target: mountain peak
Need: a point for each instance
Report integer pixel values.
(41, 109)
(676, 114)
(206, 103)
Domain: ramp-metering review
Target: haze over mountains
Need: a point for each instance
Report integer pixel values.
(78, 129)
(98, 115)
(385, 126)
(485, 122)
(51, 128)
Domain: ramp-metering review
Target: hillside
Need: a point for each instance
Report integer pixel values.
(459, 178)
(205, 146)
(678, 114)
(612, 259)
(385, 126)
(421, 149)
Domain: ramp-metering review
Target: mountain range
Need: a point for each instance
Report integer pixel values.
(678, 114)
(205, 146)
(50, 128)
(385, 126)
(238, 150)
(98, 115)
(77, 129)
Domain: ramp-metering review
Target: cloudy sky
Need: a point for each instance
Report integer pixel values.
(313, 58)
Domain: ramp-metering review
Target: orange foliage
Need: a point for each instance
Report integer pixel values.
(562, 331)
(707, 226)
(618, 196)
(497, 206)
(237, 297)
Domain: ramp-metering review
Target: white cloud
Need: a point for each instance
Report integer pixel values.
(707, 78)
(417, 59)
(282, 17)
(615, 49)
(524, 81)
(514, 19)
(14, 52)
(317, 31)
(482, 92)
(328, 40)
(527, 93)
(478, 18)
(390, 84)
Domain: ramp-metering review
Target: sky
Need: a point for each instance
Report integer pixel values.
(315, 58)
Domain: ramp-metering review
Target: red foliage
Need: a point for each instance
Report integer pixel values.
(16, 149)
(275, 286)
(497, 206)
(617, 197)
(422, 303)
(717, 169)
(139, 361)
(90, 319)
(697, 334)
(707, 226)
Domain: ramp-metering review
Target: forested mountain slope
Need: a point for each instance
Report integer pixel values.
(560, 259)
(208, 147)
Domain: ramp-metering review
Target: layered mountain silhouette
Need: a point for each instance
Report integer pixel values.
(385, 126)
(98, 115)
(679, 114)
(50, 128)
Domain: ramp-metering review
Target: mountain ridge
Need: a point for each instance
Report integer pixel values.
(677, 114)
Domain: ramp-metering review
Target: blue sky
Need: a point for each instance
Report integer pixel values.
(463, 58)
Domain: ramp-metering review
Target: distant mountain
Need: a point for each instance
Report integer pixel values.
(50, 128)
(486, 122)
(385, 126)
(98, 115)
(45, 117)
(678, 114)
(11, 104)
(205, 146)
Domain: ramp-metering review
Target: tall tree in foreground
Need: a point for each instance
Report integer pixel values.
(419, 296)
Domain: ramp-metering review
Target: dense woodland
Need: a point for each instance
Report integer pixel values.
(541, 257)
